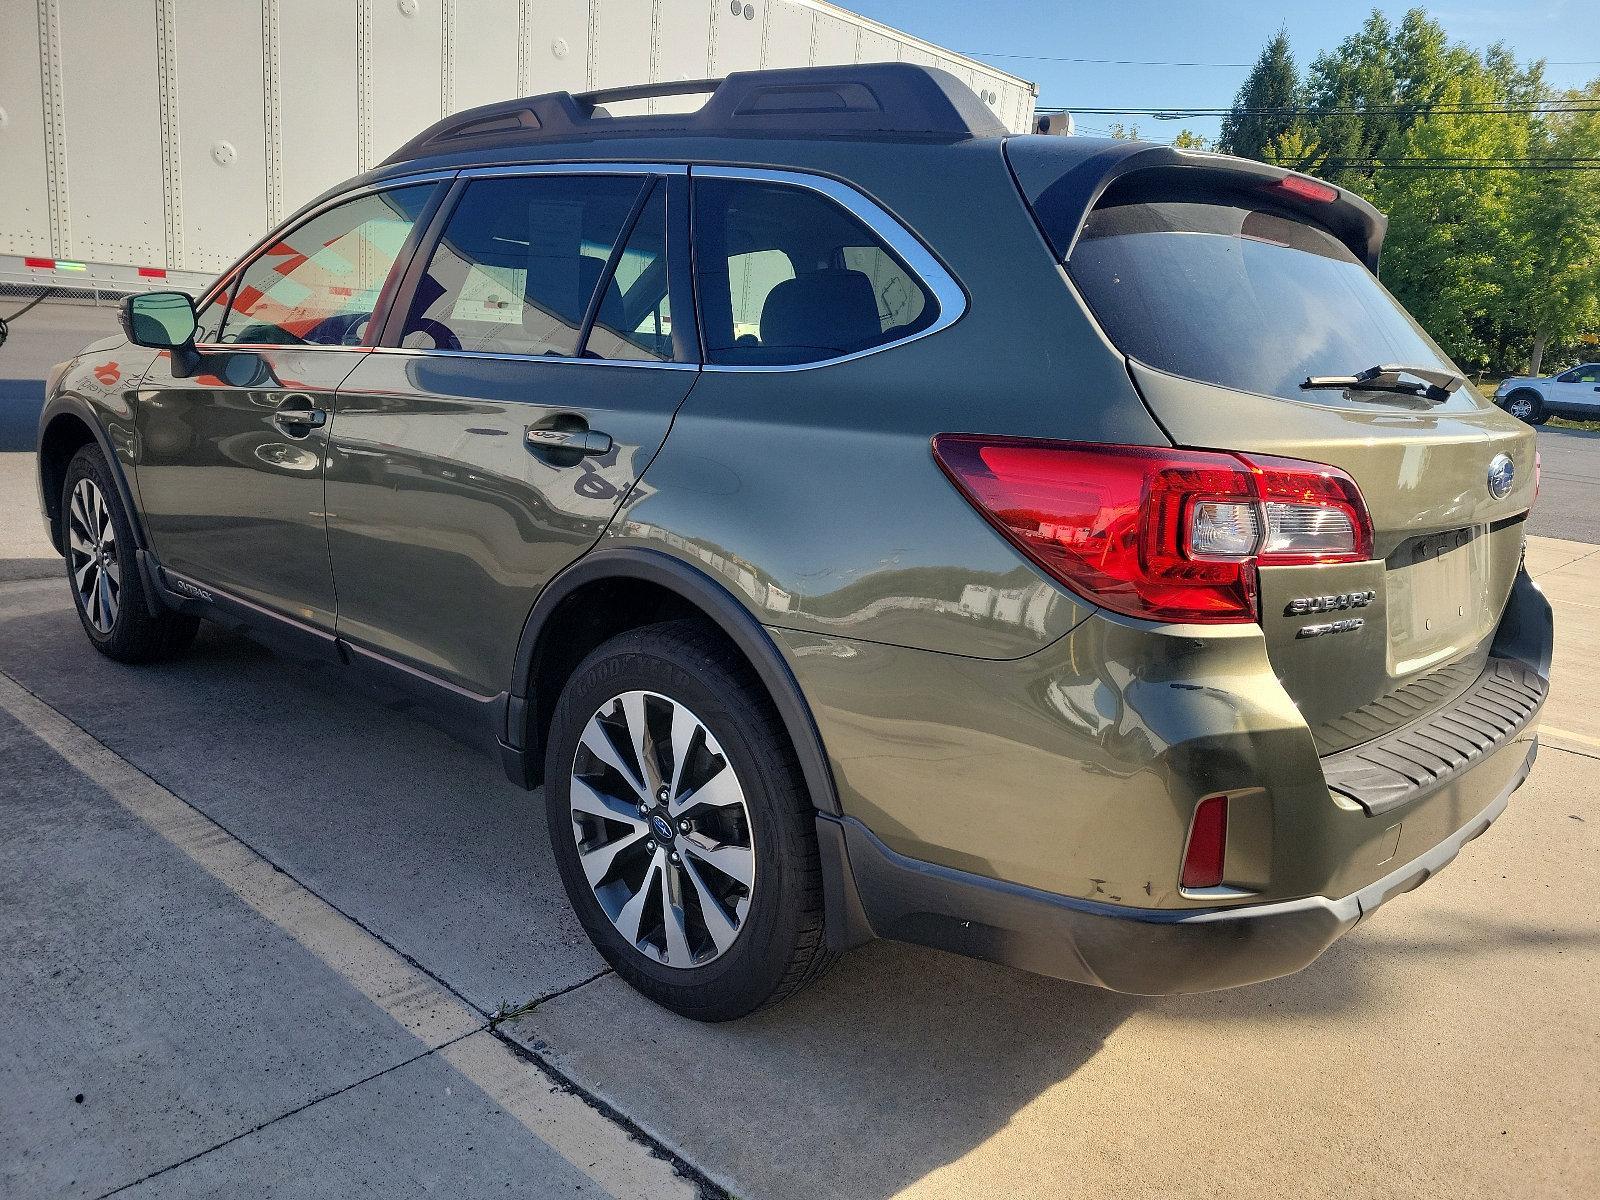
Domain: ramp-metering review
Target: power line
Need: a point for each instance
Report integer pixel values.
(1363, 165)
(1143, 62)
(1376, 110)
(1111, 62)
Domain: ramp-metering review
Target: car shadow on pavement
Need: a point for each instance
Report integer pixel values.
(896, 1064)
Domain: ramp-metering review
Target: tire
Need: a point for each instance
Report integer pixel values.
(749, 818)
(103, 570)
(1527, 405)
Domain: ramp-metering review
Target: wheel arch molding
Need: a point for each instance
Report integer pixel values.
(694, 592)
(58, 441)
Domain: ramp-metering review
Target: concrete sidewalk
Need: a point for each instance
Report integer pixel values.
(183, 1018)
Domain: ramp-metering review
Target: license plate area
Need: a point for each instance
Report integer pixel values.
(1437, 601)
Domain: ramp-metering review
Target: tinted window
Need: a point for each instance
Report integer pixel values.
(519, 260)
(634, 320)
(1589, 374)
(208, 322)
(1239, 297)
(318, 283)
(788, 276)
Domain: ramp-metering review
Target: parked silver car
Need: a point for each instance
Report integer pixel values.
(1574, 393)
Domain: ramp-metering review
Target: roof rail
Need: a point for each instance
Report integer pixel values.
(869, 99)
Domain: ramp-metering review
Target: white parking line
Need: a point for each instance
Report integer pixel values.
(591, 1142)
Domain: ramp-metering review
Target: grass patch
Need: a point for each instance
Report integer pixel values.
(1570, 423)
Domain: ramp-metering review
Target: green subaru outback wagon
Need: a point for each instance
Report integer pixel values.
(859, 521)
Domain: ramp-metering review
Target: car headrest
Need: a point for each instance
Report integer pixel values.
(833, 311)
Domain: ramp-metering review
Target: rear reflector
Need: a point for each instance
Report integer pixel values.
(1168, 535)
(152, 273)
(1208, 843)
(39, 264)
(1307, 189)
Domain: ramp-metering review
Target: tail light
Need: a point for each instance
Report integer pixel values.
(1208, 843)
(1168, 535)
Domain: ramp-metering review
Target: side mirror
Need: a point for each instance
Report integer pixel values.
(163, 321)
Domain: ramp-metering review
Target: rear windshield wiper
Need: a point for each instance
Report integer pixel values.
(1427, 382)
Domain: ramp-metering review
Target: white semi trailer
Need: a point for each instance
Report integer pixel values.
(146, 143)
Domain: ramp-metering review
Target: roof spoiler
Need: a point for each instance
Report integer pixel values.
(1064, 178)
(868, 99)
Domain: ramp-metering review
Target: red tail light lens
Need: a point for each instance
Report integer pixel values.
(1208, 844)
(1307, 189)
(1169, 535)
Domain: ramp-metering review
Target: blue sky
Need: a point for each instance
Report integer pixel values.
(1211, 31)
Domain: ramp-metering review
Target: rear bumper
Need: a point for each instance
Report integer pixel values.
(1140, 951)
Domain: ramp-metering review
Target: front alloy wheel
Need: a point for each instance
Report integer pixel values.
(1520, 407)
(662, 829)
(92, 549)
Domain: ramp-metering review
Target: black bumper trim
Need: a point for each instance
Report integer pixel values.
(1151, 952)
(1418, 757)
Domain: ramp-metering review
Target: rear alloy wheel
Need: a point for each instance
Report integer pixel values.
(684, 834)
(104, 572)
(669, 860)
(1526, 406)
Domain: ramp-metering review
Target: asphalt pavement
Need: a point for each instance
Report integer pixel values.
(258, 928)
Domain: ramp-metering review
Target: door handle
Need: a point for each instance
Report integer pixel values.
(583, 442)
(297, 416)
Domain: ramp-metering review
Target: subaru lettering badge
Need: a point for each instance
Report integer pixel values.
(1501, 474)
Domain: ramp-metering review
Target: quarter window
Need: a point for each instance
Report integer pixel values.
(519, 262)
(318, 284)
(788, 276)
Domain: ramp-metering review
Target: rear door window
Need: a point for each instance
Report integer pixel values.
(787, 276)
(518, 263)
(1240, 296)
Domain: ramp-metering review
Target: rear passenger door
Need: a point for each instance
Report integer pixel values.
(527, 373)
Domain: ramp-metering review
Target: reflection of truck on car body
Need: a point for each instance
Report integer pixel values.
(1574, 393)
(220, 120)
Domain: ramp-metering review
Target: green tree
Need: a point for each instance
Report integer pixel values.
(1263, 111)
(1188, 139)
(1496, 262)
(1554, 234)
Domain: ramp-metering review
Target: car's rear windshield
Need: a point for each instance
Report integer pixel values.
(1239, 296)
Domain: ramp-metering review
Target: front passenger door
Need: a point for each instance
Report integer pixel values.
(230, 460)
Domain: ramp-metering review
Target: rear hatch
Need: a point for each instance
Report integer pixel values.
(1227, 285)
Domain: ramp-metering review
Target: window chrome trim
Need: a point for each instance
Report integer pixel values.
(501, 170)
(947, 292)
(532, 358)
